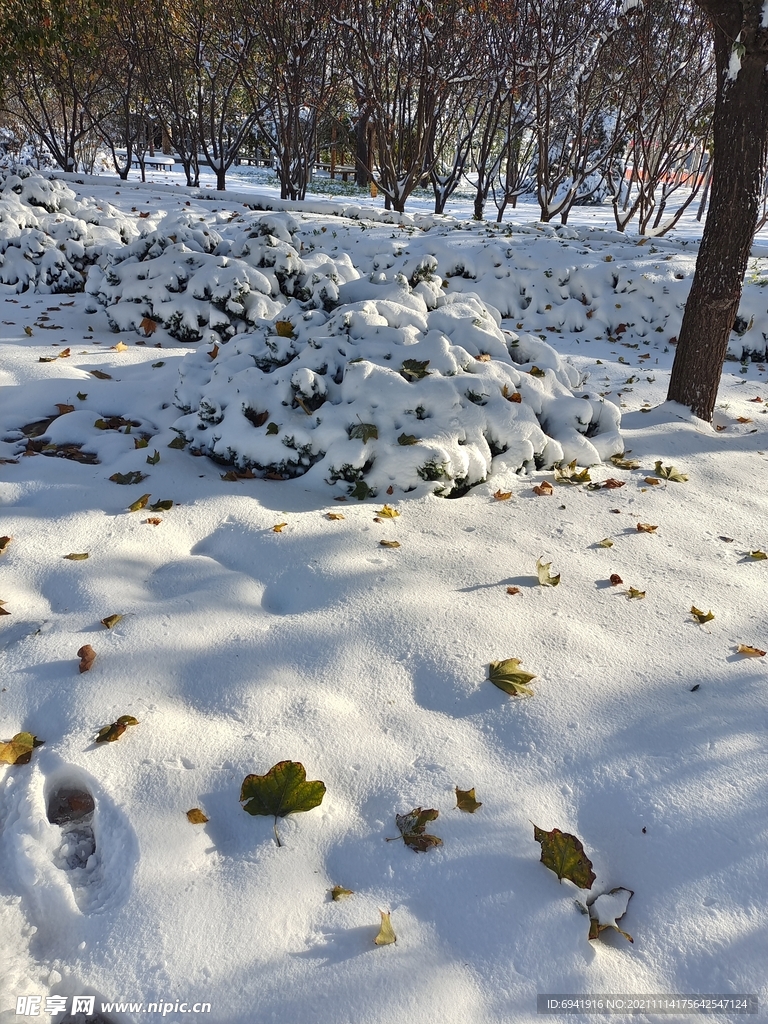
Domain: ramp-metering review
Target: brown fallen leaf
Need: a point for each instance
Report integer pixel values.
(4, 542)
(153, 521)
(389, 543)
(64, 409)
(196, 817)
(87, 656)
(758, 399)
(544, 489)
(390, 489)
(214, 352)
(611, 485)
(100, 374)
(646, 528)
(111, 733)
(502, 495)
(513, 590)
(65, 353)
(652, 480)
(334, 515)
(750, 652)
(615, 579)
(743, 419)
(149, 326)
(3, 609)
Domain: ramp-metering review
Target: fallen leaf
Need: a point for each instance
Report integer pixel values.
(607, 909)
(3, 609)
(757, 555)
(258, 419)
(510, 678)
(334, 515)
(365, 432)
(413, 369)
(100, 374)
(465, 800)
(28, 332)
(283, 790)
(502, 495)
(338, 892)
(758, 399)
(214, 352)
(571, 474)
(153, 521)
(544, 489)
(750, 652)
(611, 485)
(646, 528)
(140, 442)
(615, 580)
(513, 590)
(164, 505)
(670, 473)
(743, 419)
(111, 621)
(361, 490)
(606, 542)
(386, 935)
(632, 593)
(75, 556)
(180, 443)
(284, 329)
(134, 477)
(120, 347)
(82, 395)
(279, 527)
(4, 542)
(545, 579)
(19, 749)
(153, 459)
(149, 326)
(701, 616)
(140, 503)
(653, 481)
(87, 656)
(388, 512)
(412, 828)
(564, 854)
(536, 372)
(483, 357)
(196, 816)
(389, 543)
(64, 409)
(111, 733)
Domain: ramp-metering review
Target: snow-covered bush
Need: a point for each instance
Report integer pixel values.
(399, 386)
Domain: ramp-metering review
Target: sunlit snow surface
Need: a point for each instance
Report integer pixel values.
(240, 647)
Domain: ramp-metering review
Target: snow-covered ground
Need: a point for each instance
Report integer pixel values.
(244, 642)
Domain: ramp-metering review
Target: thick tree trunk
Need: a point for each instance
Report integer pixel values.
(740, 133)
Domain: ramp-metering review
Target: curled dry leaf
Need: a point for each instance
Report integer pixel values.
(389, 543)
(111, 621)
(412, 828)
(757, 555)
(513, 590)
(111, 733)
(87, 656)
(3, 609)
(606, 542)
(334, 515)
(386, 935)
(621, 463)
(670, 473)
(140, 503)
(134, 477)
(544, 489)
(465, 800)
(510, 678)
(611, 484)
(338, 892)
(750, 652)
(700, 616)
(153, 521)
(64, 409)
(19, 749)
(75, 556)
(564, 854)
(646, 528)
(632, 593)
(502, 495)
(4, 542)
(546, 579)
(388, 512)
(615, 579)
(652, 480)
(196, 817)
(279, 527)
(100, 374)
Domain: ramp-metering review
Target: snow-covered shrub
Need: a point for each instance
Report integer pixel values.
(400, 385)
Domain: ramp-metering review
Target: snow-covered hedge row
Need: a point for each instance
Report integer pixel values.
(400, 385)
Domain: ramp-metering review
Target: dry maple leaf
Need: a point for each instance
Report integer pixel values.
(120, 347)
(149, 326)
(279, 527)
(334, 515)
(646, 528)
(544, 489)
(611, 485)
(502, 495)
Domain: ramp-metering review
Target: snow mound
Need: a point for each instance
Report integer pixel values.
(399, 385)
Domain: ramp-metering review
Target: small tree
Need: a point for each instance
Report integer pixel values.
(740, 137)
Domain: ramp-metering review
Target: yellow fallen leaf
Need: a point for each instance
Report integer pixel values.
(120, 347)
(388, 512)
(196, 816)
(386, 934)
(750, 652)
(334, 515)
(389, 543)
(279, 527)
(74, 556)
(653, 481)
(502, 495)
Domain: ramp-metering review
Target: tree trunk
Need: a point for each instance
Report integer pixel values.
(740, 133)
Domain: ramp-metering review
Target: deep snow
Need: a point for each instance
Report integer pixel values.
(240, 647)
